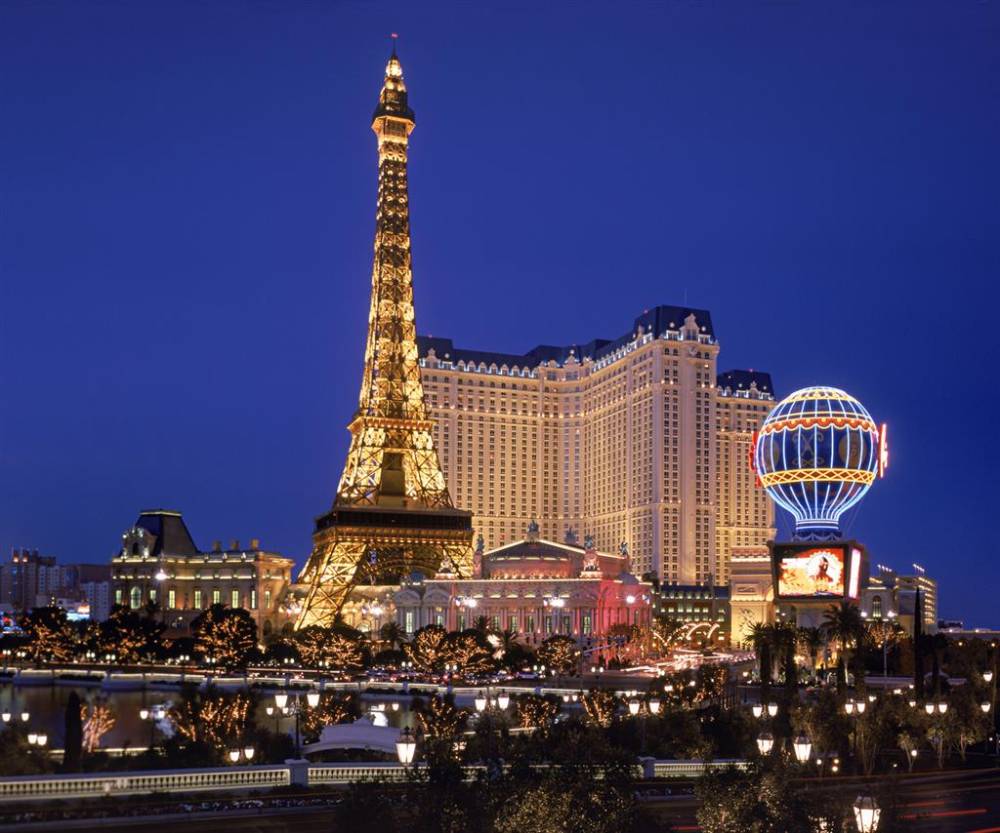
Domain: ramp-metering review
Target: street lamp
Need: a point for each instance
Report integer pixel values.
(312, 698)
(406, 746)
(654, 706)
(849, 707)
(480, 702)
(281, 700)
(503, 700)
(860, 705)
(765, 742)
(757, 709)
(985, 706)
(988, 676)
(633, 707)
(942, 707)
(25, 716)
(866, 814)
(772, 708)
(803, 749)
(929, 708)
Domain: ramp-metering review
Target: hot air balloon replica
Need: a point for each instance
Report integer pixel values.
(817, 454)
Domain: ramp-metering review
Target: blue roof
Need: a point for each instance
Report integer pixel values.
(656, 320)
(742, 379)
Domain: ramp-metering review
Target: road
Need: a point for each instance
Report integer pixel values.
(956, 802)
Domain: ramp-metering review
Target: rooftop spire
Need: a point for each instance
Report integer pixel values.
(392, 100)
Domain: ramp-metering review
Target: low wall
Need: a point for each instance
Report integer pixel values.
(247, 778)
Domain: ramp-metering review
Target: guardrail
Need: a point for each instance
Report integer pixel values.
(246, 778)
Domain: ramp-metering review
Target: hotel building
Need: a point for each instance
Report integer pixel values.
(639, 440)
(160, 564)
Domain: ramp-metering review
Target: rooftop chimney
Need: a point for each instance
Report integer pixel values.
(234, 544)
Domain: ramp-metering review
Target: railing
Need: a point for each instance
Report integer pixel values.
(246, 778)
(37, 787)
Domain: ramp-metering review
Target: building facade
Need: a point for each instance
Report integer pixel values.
(160, 564)
(636, 440)
(536, 588)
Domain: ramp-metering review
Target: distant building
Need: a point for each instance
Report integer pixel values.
(890, 595)
(25, 577)
(534, 587)
(31, 580)
(160, 564)
(704, 610)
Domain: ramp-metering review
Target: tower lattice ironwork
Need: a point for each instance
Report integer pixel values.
(392, 514)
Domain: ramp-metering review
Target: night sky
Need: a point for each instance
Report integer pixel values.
(188, 194)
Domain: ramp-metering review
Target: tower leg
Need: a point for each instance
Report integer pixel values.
(331, 573)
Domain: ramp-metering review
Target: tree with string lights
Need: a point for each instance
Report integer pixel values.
(560, 654)
(51, 637)
(98, 720)
(214, 718)
(428, 650)
(129, 635)
(224, 636)
(600, 707)
(329, 647)
(535, 712)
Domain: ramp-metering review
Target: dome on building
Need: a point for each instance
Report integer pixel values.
(817, 454)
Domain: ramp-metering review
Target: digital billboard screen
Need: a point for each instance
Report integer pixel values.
(810, 572)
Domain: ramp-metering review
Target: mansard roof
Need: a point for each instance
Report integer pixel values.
(657, 320)
(742, 379)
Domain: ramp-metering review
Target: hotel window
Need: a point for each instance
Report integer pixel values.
(512, 623)
(587, 630)
(234, 599)
(135, 598)
(172, 599)
(253, 599)
(118, 595)
(152, 595)
(877, 607)
(461, 622)
(267, 600)
(216, 596)
(439, 620)
(409, 621)
(197, 600)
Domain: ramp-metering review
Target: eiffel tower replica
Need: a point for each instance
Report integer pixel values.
(392, 514)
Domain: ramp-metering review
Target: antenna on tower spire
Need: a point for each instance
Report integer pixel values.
(394, 36)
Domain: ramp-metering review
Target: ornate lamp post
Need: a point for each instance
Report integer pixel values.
(772, 708)
(765, 742)
(803, 749)
(757, 710)
(866, 814)
(406, 746)
(246, 753)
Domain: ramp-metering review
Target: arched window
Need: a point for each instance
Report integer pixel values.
(135, 598)
(877, 607)
(135, 549)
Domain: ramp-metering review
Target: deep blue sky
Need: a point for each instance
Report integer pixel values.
(187, 212)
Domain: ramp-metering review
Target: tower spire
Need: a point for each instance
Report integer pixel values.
(392, 469)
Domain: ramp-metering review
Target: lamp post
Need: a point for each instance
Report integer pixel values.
(765, 742)
(245, 753)
(152, 716)
(866, 814)
(296, 710)
(772, 708)
(757, 710)
(406, 747)
(803, 749)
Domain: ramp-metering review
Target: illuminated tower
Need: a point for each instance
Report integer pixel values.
(392, 513)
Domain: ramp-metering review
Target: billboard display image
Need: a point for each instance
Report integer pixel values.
(815, 571)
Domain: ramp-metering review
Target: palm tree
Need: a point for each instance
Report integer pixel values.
(760, 637)
(784, 639)
(481, 624)
(811, 640)
(842, 622)
(392, 634)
